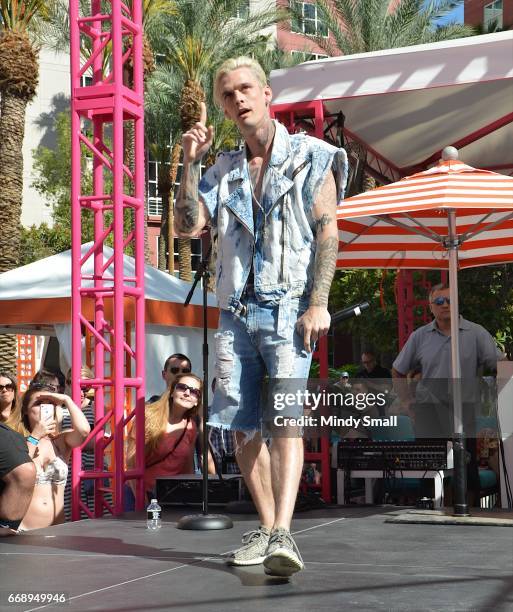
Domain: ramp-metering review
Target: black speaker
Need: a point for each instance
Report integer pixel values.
(186, 490)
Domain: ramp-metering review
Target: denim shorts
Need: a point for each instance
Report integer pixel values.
(255, 349)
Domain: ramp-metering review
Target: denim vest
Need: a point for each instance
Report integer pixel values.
(280, 241)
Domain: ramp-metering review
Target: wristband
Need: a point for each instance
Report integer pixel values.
(32, 440)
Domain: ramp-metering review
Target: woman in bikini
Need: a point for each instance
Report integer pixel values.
(50, 450)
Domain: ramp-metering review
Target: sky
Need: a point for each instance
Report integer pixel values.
(455, 15)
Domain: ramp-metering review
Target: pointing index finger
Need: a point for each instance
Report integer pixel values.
(203, 113)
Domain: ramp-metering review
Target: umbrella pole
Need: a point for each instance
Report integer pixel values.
(460, 463)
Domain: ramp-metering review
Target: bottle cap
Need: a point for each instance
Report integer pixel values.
(153, 500)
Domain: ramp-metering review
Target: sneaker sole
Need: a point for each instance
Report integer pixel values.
(240, 562)
(282, 563)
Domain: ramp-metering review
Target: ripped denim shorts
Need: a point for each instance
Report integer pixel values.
(258, 345)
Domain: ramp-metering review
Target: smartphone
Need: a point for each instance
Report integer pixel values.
(47, 410)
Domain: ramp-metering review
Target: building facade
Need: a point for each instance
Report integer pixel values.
(52, 97)
(489, 14)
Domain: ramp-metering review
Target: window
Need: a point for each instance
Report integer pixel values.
(309, 22)
(492, 15)
(195, 252)
(86, 80)
(306, 56)
(154, 201)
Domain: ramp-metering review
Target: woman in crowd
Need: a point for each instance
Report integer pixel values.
(52, 378)
(171, 428)
(49, 449)
(8, 392)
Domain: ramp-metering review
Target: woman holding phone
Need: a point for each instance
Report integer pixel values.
(38, 417)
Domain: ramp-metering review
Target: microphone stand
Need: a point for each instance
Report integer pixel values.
(204, 521)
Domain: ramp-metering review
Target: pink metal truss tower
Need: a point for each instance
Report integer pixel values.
(108, 305)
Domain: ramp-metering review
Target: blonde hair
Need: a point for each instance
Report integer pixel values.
(156, 418)
(85, 373)
(232, 64)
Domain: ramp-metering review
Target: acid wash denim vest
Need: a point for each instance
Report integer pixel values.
(281, 242)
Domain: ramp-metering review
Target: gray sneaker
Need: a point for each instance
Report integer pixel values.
(282, 555)
(252, 552)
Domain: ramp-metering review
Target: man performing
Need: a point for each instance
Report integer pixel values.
(272, 206)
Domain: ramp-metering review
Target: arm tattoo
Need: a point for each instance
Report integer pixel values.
(325, 262)
(187, 200)
(321, 223)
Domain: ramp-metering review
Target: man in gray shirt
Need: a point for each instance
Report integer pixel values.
(428, 349)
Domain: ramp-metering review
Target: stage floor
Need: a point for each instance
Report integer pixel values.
(354, 561)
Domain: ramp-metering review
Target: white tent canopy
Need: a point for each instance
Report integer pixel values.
(36, 299)
(407, 104)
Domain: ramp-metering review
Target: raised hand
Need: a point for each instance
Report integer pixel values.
(197, 141)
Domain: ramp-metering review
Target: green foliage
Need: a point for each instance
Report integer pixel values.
(334, 373)
(203, 34)
(485, 297)
(359, 27)
(52, 168)
(38, 242)
(378, 324)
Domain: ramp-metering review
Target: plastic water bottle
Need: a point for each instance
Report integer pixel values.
(153, 514)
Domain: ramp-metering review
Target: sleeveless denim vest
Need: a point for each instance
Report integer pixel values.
(280, 240)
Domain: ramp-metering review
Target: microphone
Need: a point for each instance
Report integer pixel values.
(347, 313)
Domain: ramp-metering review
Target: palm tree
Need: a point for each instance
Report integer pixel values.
(200, 37)
(56, 36)
(19, 74)
(163, 137)
(359, 27)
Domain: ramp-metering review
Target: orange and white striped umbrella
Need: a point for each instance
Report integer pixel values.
(449, 216)
(405, 224)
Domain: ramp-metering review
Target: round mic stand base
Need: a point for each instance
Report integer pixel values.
(205, 522)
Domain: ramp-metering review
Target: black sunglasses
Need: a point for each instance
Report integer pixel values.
(192, 390)
(179, 370)
(439, 301)
(7, 387)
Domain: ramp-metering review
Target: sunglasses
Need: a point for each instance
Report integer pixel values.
(179, 370)
(8, 387)
(439, 301)
(192, 390)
